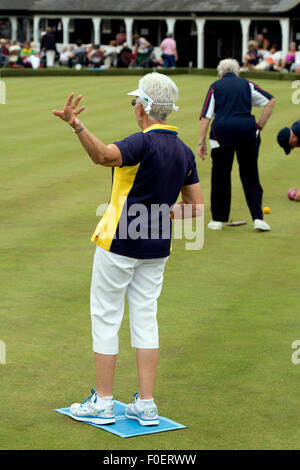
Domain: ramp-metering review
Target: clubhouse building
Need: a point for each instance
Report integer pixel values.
(205, 31)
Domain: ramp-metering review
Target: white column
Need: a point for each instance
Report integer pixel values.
(36, 30)
(285, 34)
(13, 27)
(28, 29)
(200, 23)
(65, 24)
(96, 23)
(128, 27)
(170, 25)
(245, 24)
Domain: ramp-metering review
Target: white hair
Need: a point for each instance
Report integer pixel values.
(161, 89)
(228, 66)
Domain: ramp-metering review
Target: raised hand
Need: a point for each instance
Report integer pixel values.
(70, 113)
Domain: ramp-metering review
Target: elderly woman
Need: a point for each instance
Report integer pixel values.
(150, 169)
(251, 57)
(290, 57)
(234, 129)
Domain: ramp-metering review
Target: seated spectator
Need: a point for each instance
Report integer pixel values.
(263, 45)
(125, 56)
(88, 49)
(169, 49)
(289, 59)
(262, 42)
(251, 58)
(95, 56)
(121, 37)
(65, 55)
(29, 56)
(78, 55)
(4, 52)
(295, 67)
(110, 56)
(155, 62)
(271, 61)
(13, 52)
(142, 48)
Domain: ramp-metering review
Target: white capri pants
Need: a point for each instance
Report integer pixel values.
(50, 58)
(114, 276)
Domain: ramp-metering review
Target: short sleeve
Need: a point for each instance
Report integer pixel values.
(209, 104)
(192, 173)
(259, 97)
(132, 149)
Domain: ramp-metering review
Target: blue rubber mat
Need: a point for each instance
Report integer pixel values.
(125, 427)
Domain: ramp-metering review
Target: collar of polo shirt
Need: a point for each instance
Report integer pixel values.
(161, 127)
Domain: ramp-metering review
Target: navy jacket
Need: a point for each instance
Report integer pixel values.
(230, 100)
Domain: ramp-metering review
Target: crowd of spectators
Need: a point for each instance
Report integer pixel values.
(116, 54)
(14, 54)
(262, 55)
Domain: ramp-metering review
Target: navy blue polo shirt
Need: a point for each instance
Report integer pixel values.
(229, 100)
(296, 129)
(155, 166)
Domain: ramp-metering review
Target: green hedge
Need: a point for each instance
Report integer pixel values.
(63, 71)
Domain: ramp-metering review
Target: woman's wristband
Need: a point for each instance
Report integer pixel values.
(80, 129)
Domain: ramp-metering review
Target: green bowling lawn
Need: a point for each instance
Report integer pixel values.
(228, 314)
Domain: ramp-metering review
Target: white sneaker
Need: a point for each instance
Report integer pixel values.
(94, 410)
(215, 225)
(261, 225)
(146, 415)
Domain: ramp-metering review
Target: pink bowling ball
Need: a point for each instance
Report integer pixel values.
(291, 193)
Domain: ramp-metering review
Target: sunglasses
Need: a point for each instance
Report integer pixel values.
(133, 102)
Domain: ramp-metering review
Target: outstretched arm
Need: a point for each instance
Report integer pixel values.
(101, 154)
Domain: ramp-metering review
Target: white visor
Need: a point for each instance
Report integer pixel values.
(149, 101)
